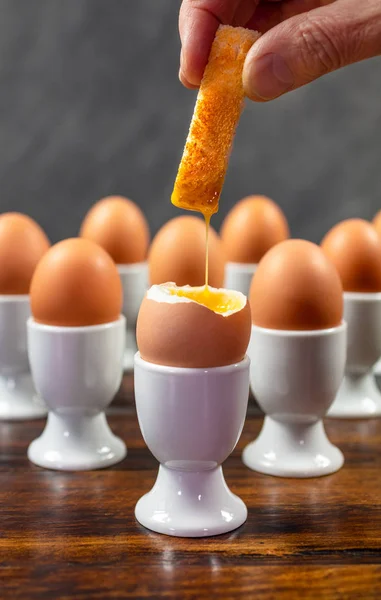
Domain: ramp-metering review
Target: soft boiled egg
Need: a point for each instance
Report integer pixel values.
(354, 247)
(178, 254)
(76, 284)
(253, 226)
(195, 327)
(120, 227)
(296, 287)
(22, 244)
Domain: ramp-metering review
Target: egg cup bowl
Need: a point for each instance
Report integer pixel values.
(18, 398)
(191, 420)
(134, 278)
(238, 276)
(359, 396)
(295, 376)
(77, 371)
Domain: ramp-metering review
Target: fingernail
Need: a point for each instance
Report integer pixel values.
(267, 77)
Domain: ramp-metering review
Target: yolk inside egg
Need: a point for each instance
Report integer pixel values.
(219, 301)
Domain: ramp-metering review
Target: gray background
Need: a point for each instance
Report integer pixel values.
(90, 105)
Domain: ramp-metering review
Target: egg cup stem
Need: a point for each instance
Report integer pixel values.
(293, 450)
(190, 504)
(76, 442)
(358, 397)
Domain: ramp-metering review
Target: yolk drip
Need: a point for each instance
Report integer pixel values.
(207, 223)
(217, 301)
(207, 206)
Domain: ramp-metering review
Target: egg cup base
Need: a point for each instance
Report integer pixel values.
(299, 450)
(76, 442)
(19, 400)
(357, 398)
(190, 504)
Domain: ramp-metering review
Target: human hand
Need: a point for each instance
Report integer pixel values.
(302, 39)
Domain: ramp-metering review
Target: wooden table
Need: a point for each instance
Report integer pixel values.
(74, 535)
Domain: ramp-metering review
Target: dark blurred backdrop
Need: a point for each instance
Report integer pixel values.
(90, 105)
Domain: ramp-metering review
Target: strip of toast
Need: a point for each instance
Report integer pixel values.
(216, 114)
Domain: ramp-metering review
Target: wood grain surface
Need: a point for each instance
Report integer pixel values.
(74, 535)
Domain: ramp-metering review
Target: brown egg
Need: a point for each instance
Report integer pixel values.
(295, 287)
(354, 247)
(377, 222)
(119, 226)
(251, 228)
(76, 284)
(178, 250)
(22, 244)
(181, 331)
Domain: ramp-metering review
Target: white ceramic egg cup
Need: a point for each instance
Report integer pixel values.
(295, 376)
(377, 368)
(134, 280)
(77, 371)
(359, 396)
(238, 276)
(18, 398)
(191, 420)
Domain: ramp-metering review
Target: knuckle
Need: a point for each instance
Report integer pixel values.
(320, 48)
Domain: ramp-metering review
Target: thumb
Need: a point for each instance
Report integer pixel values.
(310, 45)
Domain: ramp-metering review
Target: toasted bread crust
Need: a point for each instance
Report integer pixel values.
(217, 111)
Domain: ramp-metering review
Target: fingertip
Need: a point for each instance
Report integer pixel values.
(197, 31)
(185, 81)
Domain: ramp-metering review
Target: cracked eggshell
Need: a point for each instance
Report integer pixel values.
(178, 332)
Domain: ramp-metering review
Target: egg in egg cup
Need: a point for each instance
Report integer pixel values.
(119, 226)
(354, 247)
(22, 244)
(76, 340)
(191, 391)
(297, 351)
(253, 226)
